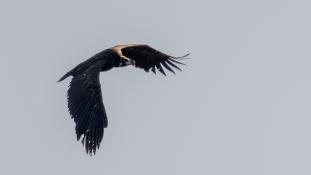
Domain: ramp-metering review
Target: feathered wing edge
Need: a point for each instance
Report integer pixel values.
(87, 109)
(148, 58)
(184, 57)
(169, 62)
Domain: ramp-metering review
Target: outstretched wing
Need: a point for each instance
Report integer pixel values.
(87, 109)
(147, 58)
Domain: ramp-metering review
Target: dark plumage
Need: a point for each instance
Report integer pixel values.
(85, 101)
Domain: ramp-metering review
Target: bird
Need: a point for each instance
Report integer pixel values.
(84, 96)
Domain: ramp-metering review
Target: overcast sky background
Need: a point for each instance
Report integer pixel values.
(242, 105)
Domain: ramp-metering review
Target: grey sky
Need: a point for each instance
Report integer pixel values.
(241, 106)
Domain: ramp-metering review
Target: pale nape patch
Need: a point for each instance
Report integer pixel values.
(118, 49)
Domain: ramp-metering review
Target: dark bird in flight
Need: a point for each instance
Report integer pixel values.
(84, 96)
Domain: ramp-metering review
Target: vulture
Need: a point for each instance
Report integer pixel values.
(84, 97)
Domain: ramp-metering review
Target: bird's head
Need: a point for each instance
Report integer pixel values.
(124, 61)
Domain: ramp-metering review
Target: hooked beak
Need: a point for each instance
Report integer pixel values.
(132, 62)
(127, 62)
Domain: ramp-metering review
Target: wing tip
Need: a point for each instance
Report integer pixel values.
(184, 57)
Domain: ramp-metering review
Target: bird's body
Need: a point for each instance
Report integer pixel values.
(85, 102)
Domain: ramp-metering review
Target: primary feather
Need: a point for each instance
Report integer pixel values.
(146, 57)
